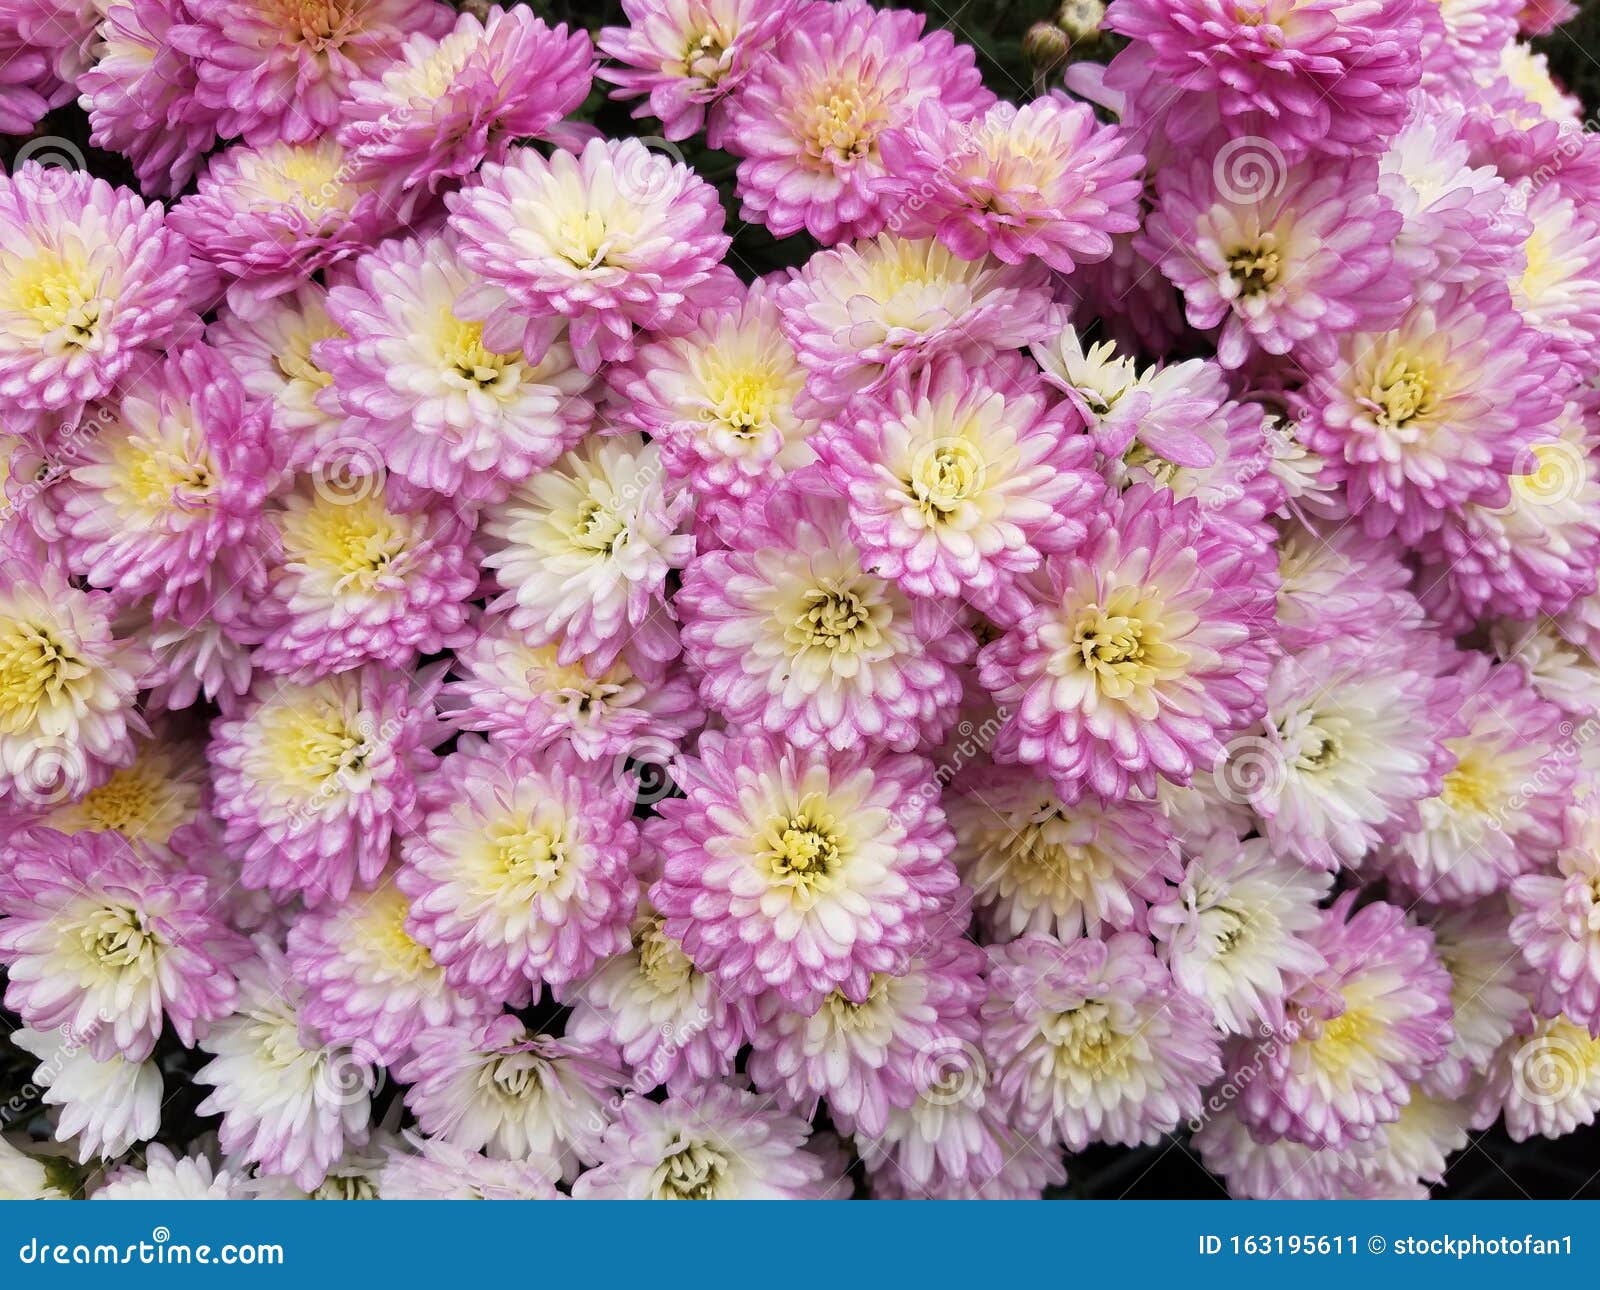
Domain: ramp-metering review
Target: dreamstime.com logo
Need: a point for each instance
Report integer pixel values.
(160, 1250)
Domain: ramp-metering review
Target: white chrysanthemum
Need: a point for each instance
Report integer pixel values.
(1559, 669)
(356, 1175)
(1488, 990)
(1232, 931)
(147, 802)
(288, 1101)
(1545, 1080)
(106, 1105)
(22, 1177)
(440, 1170)
(169, 1177)
(513, 1094)
(584, 552)
(1416, 1148)
(711, 1142)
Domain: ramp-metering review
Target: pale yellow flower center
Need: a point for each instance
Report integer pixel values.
(838, 618)
(115, 936)
(802, 852)
(1085, 1040)
(35, 669)
(59, 292)
(356, 540)
(692, 1172)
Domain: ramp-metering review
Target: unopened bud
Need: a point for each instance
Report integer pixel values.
(1081, 19)
(1045, 46)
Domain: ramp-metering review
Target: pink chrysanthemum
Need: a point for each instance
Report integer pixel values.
(1557, 928)
(111, 943)
(583, 551)
(688, 56)
(440, 1170)
(520, 874)
(804, 872)
(270, 217)
(1328, 76)
(289, 1102)
(867, 1056)
(1281, 259)
(275, 356)
(282, 69)
(1374, 1019)
(520, 694)
(1545, 1080)
(1434, 412)
(1044, 180)
(726, 402)
(713, 1142)
(446, 411)
(958, 480)
(90, 278)
(1559, 290)
(1348, 747)
(789, 632)
(313, 782)
(1142, 653)
(169, 491)
(1038, 864)
(514, 1094)
(670, 1022)
(29, 87)
(140, 96)
(809, 121)
(364, 569)
(195, 652)
(1336, 583)
(446, 105)
(612, 239)
(1467, 35)
(860, 315)
(366, 980)
(1092, 1041)
(1499, 811)
(68, 683)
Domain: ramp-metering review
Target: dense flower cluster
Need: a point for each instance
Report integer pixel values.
(508, 702)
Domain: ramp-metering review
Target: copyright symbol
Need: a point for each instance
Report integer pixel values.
(1377, 1244)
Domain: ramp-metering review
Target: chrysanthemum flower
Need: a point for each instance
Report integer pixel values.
(1143, 652)
(167, 492)
(195, 652)
(1336, 583)
(106, 1105)
(110, 943)
(1557, 927)
(516, 1095)
(1284, 262)
(1545, 1080)
(1324, 76)
(312, 782)
(867, 1056)
(1092, 1041)
(1499, 810)
(1347, 749)
(1560, 669)
(25, 1177)
(712, 1142)
(67, 687)
(803, 872)
(1044, 180)
(62, 31)
(366, 979)
(613, 238)
(1037, 864)
(274, 355)
(1235, 931)
(583, 551)
(446, 105)
(1354, 1037)
(1490, 986)
(445, 411)
(1468, 34)
(282, 69)
(860, 315)
(957, 480)
(90, 278)
(788, 631)
(724, 400)
(289, 1102)
(809, 120)
(364, 569)
(1435, 411)
(670, 1022)
(1558, 292)
(520, 874)
(140, 96)
(270, 217)
(29, 88)
(440, 1170)
(355, 1175)
(1275, 1169)
(1461, 220)
(688, 56)
(520, 694)
(166, 1176)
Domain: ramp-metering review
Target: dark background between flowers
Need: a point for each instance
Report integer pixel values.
(1491, 1167)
